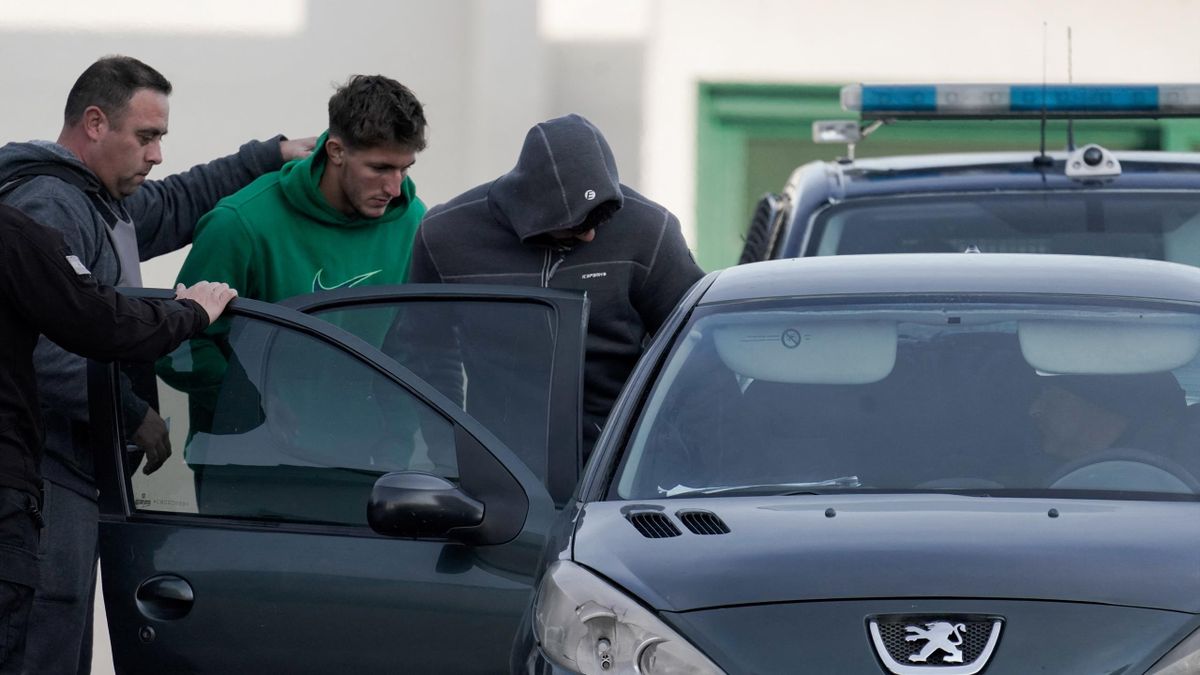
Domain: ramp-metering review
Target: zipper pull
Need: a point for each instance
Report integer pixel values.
(35, 513)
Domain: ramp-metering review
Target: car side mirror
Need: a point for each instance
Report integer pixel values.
(419, 505)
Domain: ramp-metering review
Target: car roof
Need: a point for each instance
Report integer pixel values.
(956, 273)
(1004, 171)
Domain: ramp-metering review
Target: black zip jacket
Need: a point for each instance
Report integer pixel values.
(46, 290)
(633, 272)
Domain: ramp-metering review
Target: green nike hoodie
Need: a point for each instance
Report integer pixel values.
(279, 237)
(276, 238)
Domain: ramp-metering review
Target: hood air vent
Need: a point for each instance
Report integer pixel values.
(703, 522)
(653, 525)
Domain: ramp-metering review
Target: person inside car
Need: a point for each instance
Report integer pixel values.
(1078, 416)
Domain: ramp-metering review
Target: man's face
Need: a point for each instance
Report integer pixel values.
(586, 230)
(1070, 425)
(370, 178)
(585, 235)
(129, 143)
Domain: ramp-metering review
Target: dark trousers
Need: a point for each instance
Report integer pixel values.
(19, 518)
(60, 624)
(15, 602)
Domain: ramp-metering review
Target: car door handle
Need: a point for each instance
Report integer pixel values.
(165, 597)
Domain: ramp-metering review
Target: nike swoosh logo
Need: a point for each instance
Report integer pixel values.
(318, 285)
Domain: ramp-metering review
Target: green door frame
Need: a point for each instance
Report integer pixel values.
(733, 114)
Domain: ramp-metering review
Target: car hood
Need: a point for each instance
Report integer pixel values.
(805, 548)
(832, 637)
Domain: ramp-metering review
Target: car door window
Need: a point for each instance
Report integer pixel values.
(494, 360)
(269, 423)
(255, 530)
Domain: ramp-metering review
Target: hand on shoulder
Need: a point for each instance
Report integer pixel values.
(297, 148)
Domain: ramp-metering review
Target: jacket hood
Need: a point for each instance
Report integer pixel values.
(42, 157)
(565, 173)
(300, 181)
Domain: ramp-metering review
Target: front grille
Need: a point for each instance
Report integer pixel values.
(653, 525)
(974, 635)
(703, 522)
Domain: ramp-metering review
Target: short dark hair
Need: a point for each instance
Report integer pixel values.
(371, 110)
(109, 83)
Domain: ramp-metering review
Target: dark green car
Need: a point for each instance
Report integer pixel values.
(271, 541)
(907, 464)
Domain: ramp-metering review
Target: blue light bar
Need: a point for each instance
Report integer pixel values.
(1092, 99)
(991, 101)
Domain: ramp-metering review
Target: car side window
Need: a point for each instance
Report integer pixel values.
(266, 422)
(495, 360)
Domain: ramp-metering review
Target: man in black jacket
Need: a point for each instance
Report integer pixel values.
(44, 289)
(562, 219)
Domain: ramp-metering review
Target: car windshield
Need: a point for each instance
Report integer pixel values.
(959, 394)
(1158, 226)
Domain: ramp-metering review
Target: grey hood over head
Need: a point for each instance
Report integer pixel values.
(565, 175)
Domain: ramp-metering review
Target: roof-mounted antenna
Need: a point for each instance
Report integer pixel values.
(1042, 159)
(1070, 80)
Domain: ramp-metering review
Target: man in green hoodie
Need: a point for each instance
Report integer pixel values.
(342, 217)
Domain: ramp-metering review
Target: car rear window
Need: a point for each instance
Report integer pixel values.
(1157, 225)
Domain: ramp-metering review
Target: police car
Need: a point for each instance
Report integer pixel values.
(1082, 200)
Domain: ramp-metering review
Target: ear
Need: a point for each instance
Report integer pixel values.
(335, 150)
(95, 122)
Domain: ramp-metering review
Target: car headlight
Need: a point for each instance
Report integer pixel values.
(1184, 659)
(585, 625)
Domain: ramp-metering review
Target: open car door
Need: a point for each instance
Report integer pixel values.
(363, 492)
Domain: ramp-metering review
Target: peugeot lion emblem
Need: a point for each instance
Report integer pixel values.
(946, 645)
(938, 635)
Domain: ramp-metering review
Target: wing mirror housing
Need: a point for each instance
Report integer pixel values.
(419, 505)
(487, 506)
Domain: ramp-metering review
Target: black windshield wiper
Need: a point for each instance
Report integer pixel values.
(809, 487)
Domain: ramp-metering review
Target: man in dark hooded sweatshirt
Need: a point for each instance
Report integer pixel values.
(562, 219)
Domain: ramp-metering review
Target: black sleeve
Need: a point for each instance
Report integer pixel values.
(673, 270)
(165, 212)
(422, 269)
(69, 307)
(435, 339)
